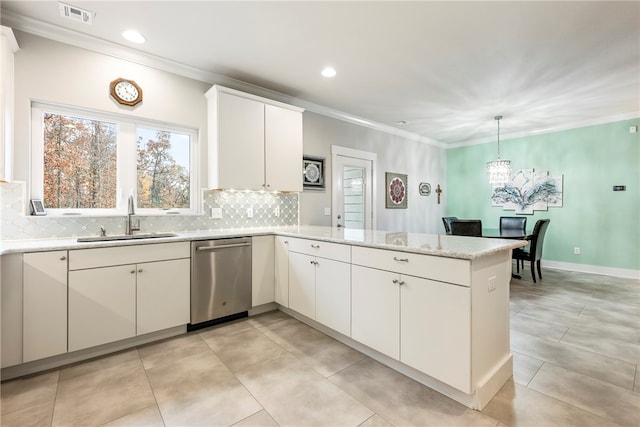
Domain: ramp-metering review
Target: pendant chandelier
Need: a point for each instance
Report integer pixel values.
(499, 170)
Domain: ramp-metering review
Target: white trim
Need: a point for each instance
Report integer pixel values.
(594, 269)
(564, 126)
(217, 88)
(73, 38)
(12, 43)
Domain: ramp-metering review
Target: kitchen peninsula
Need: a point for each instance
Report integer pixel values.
(434, 307)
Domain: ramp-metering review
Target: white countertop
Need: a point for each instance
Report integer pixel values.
(461, 247)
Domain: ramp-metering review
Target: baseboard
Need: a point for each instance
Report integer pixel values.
(594, 269)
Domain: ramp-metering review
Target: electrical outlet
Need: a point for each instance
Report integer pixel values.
(576, 251)
(216, 213)
(249, 212)
(276, 211)
(327, 211)
(492, 283)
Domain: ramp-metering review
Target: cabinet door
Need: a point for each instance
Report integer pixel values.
(262, 270)
(283, 149)
(333, 295)
(163, 295)
(302, 284)
(102, 305)
(44, 305)
(375, 309)
(436, 330)
(240, 143)
(281, 245)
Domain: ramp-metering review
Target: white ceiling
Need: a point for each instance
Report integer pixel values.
(445, 67)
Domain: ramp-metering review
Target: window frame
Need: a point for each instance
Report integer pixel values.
(126, 165)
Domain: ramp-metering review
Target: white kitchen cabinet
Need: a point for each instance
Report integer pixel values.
(120, 292)
(254, 143)
(44, 305)
(435, 320)
(302, 284)
(11, 305)
(281, 264)
(333, 294)
(262, 270)
(163, 291)
(375, 309)
(320, 282)
(102, 305)
(283, 148)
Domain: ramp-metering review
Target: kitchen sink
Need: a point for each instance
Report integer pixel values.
(125, 237)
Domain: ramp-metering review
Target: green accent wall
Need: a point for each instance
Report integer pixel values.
(603, 223)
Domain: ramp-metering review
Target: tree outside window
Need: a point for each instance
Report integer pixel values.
(163, 169)
(80, 158)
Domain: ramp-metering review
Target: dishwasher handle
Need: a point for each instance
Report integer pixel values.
(213, 248)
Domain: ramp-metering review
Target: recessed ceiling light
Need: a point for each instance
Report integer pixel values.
(134, 36)
(328, 72)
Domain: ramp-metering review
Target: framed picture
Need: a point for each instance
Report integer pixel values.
(424, 189)
(312, 173)
(395, 191)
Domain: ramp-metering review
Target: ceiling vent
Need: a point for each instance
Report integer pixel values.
(76, 14)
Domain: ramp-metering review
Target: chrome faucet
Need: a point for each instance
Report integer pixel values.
(132, 224)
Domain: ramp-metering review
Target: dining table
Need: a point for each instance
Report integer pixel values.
(508, 233)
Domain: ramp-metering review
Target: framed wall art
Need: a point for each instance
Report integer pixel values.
(312, 173)
(395, 190)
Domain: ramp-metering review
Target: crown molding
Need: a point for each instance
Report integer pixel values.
(115, 50)
(559, 128)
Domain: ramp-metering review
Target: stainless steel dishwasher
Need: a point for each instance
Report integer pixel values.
(220, 280)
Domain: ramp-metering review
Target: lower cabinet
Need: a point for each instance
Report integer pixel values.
(435, 319)
(111, 300)
(102, 305)
(319, 287)
(281, 265)
(162, 295)
(44, 325)
(375, 309)
(423, 323)
(302, 284)
(262, 270)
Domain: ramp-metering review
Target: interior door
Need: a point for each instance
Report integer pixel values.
(353, 192)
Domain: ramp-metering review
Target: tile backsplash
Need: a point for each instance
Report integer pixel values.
(268, 209)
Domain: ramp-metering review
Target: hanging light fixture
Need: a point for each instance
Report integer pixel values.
(499, 170)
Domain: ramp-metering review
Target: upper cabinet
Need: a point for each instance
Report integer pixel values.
(254, 143)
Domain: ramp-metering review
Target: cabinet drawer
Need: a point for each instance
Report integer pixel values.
(322, 249)
(119, 255)
(450, 270)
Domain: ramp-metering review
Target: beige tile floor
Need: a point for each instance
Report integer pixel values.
(575, 339)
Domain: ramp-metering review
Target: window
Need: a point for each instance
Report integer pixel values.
(88, 163)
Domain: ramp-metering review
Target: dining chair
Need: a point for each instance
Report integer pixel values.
(447, 223)
(466, 227)
(513, 223)
(534, 252)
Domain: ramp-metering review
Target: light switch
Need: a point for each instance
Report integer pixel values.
(216, 213)
(327, 211)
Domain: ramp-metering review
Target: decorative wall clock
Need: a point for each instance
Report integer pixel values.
(126, 92)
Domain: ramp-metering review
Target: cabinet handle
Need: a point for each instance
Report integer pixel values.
(312, 262)
(62, 258)
(315, 246)
(401, 282)
(395, 258)
(394, 281)
(133, 272)
(140, 271)
(286, 242)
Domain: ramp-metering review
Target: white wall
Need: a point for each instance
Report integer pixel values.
(54, 72)
(420, 161)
